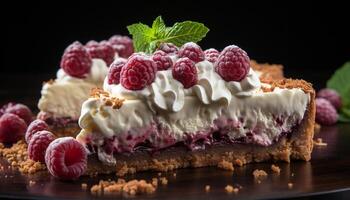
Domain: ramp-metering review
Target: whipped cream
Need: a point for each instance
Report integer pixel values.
(165, 108)
(64, 96)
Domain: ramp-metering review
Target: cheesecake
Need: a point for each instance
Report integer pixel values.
(171, 110)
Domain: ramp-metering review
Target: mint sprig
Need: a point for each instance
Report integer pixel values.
(147, 39)
(340, 81)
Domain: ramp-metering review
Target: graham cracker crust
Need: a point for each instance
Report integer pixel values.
(268, 71)
(296, 147)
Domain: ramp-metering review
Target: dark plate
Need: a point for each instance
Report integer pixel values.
(327, 172)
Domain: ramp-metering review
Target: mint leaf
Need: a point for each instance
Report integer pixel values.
(147, 39)
(186, 31)
(340, 81)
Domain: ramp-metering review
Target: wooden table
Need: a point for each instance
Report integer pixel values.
(327, 172)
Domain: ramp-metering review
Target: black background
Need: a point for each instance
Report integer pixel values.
(309, 39)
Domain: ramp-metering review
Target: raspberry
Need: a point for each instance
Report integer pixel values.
(34, 127)
(326, 114)
(233, 64)
(102, 50)
(66, 158)
(76, 61)
(20, 110)
(12, 128)
(192, 51)
(138, 72)
(185, 71)
(122, 45)
(114, 71)
(211, 55)
(38, 144)
(168, 48)
(4, 107)
(332, 96)
(162, 60)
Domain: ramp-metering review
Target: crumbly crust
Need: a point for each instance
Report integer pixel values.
(71, 130)
(298, 147)
(268, 71)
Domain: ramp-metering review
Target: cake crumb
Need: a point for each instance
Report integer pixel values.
(174, 174)
(290, 185)
(154, 182)
(317, 128)
(259, 174)
(163, 180)
(229, 188)
(207, 188)
(226, 165)
(132, 187)
(159, 173)
(276, 169)
(319, 142)
(83, 186)
(31, 183)
(239, 162)
(125, 170)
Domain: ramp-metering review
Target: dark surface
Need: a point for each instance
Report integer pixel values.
(327, 174)
(309, 37)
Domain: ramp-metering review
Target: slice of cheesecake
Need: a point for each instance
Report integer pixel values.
(195, 113)
(82, 69)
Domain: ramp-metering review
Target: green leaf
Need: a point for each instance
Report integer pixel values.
(147, 39)
(340, 81)
(186, 31)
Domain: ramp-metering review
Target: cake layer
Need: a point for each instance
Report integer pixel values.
(297, 146)
(64, 96)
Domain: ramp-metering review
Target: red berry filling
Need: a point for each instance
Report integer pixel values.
(185, 71)
(233, 64)
(66, 158)
(76, 61)
(192, 51)
(138, 72)
(38, 145)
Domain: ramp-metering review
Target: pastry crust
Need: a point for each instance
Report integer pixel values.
(296, 147)
(268, 71)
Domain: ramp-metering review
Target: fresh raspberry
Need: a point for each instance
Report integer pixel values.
(122, 45)
(168, 48)
(185, 71)
(138, 72)
(211, 55)
(38, 144)
(114, 71)
(162, 60)
(34, 127)
(66, 158)
(326, 114)
(332, 96)
(21, 111)
(76, 61)
(102, 50)
(233, 64)
(192, 51)
(12, 128)
(4, 107)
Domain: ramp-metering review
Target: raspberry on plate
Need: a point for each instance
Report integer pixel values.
(233, 64)
(114, 71)
(66, 158)
(20, 110)
(122, 45)
(34, 127)
(12, 128)
(211, 55)
(138, 72)
(102, 50)
(76, 61)
(168, 48)
(38, 144)
(185, 71)
(326, 114)
(332, 96)
(162, 60)
(192, 51)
